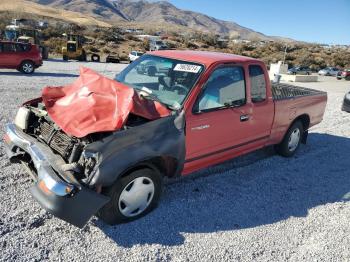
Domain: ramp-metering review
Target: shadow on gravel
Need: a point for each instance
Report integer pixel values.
(35, 74)
(252, 195)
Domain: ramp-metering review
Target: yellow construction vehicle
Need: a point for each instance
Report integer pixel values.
(73, 48)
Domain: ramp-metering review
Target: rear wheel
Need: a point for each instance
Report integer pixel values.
(82, 57)
(291, 141)
(132, 197)
(27, 67)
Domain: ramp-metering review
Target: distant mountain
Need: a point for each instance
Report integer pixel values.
(101, 9)
(162, 11)
(30, 8)
(155, 13)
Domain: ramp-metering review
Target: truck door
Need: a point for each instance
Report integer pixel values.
(218, 121)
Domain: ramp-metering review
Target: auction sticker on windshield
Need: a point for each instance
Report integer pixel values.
(187, 68)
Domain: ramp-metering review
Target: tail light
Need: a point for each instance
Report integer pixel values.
(39, 49)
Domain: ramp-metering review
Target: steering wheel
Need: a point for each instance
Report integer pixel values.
(181, 88)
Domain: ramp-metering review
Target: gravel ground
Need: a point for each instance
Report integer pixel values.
(259, 207)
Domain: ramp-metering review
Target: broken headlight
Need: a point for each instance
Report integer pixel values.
(90, 160)
(22, 118)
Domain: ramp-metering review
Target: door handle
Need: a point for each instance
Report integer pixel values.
(244, 118)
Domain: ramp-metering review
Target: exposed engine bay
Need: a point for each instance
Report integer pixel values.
(34, 120)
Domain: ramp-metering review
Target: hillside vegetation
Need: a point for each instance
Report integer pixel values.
(108, 37)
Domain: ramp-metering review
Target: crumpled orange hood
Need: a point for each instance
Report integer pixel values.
(94, 103)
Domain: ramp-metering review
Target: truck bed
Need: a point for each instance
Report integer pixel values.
(292, 102)
(286, 91)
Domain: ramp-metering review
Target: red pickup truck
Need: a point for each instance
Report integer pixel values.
(24, 57)
(102, 146)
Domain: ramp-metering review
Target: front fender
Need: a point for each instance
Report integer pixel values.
(161, 138)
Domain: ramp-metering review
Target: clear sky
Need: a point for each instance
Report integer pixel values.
(321, 21)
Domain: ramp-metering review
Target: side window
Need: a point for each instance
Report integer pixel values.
(257, 83)
(225, 87)
(1, 47)
(8, 47)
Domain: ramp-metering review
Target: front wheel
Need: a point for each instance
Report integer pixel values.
(132, 197)
(291, 141)
(95, 58)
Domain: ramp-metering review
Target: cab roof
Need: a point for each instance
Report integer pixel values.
(203, 57)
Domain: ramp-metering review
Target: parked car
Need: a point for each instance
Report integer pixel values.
(346, 103)
(156, 45)
(345, 74)
(300, 70)
(329, 71)
(24, 57)
(112, 59)
(107, 152)
(134, 55)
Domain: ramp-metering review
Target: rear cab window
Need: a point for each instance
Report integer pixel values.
(257, 83)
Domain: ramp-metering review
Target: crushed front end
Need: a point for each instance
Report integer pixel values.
(52, 158)
(77, 140)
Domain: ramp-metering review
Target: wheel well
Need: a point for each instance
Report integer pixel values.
(304, 119)
(27, 60)
(166, 166)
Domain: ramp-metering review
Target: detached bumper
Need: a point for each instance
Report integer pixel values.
(55, 190)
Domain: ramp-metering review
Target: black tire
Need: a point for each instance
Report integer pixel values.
(111, 213)
(83, 57)
(95, 58)
(27, 67)
(283, 148)
(45, 52)
(65, 58)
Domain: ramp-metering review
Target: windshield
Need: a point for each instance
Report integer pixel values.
(167, 80)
